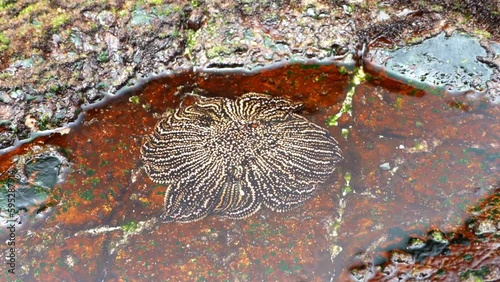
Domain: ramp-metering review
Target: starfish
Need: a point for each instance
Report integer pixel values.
(229, 157)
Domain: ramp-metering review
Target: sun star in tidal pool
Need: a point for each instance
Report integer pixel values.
(229, 157)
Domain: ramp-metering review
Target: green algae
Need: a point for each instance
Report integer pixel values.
(358, 78)
(59, 21)
(155, 2)
(4, 42)
(87, 195)
(218, 50)
(347, 187)
(134, 100)
(190, 42)
(6, 4)
(102, 57)
(130, 227)
(475, 274)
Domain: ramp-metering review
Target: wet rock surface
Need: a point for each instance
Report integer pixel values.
(56, 57)
(416, 155)
(27, 185)
(433, 62)
(470, 253)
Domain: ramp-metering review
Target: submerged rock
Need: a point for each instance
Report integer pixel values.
(28, 185)
(462, 255)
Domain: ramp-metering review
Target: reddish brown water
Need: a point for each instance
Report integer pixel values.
(441, 153)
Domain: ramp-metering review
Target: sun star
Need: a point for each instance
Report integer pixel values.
(229, 157)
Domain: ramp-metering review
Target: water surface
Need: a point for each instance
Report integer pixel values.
(413, 160)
